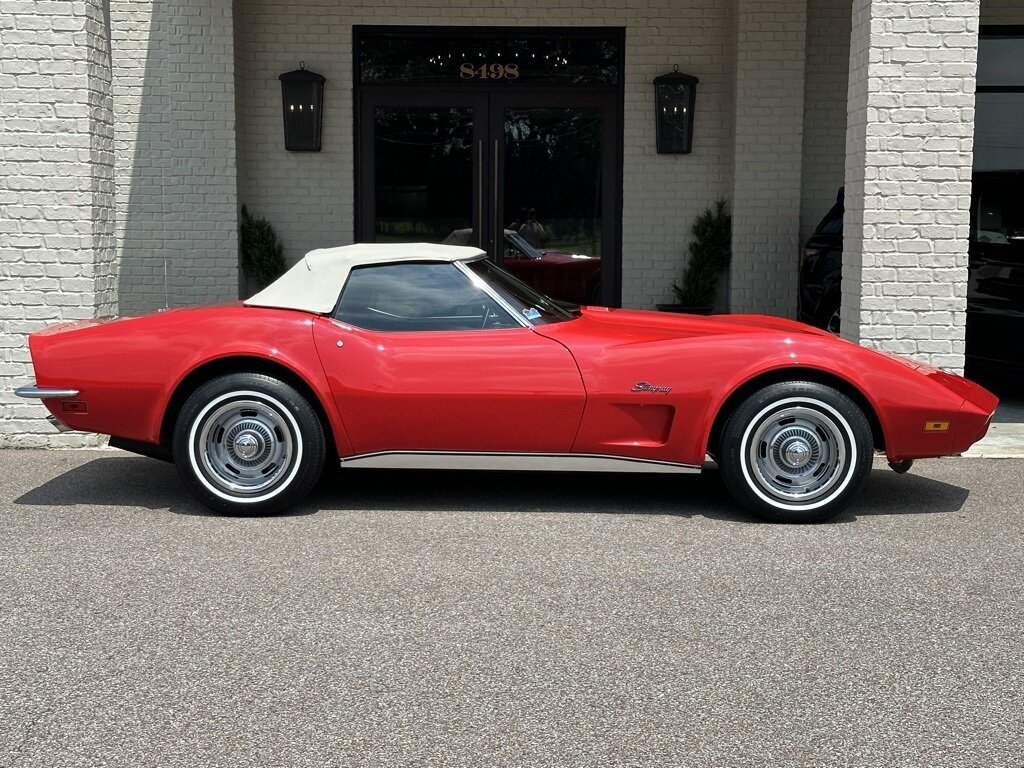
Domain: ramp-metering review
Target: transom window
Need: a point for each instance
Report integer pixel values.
(418, 296)
(999, 103)
(999, 212)
(477, 56)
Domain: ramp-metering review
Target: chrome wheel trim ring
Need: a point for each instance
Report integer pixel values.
(798, 454)
(245, 446)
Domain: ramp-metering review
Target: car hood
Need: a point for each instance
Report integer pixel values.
(640, 325)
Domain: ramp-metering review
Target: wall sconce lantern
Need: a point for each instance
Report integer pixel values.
(302, 97)
(674, 97)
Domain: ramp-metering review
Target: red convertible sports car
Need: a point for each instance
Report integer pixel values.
(430, 356)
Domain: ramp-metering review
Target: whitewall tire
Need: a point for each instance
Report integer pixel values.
(796, 452)
(248, 444)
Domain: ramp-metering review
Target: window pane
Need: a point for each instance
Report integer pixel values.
(461, 57)
(423, 162)
(553, 199)
(416, 296)
(999, 61)
(999, 212)
(832, 224)
(998, 138)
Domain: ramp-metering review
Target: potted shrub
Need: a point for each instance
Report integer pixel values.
(710, 251)
(262, 252)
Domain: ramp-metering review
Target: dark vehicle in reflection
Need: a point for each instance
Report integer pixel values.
(995, 288)
(821, 271)
(568, 277)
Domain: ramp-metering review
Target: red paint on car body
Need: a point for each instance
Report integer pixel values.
(568, 386)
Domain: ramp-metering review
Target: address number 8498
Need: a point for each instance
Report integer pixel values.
(468, 71)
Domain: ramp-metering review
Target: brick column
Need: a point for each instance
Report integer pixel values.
(56, 195)
(910, 130)
(176, 192)
(770, 37)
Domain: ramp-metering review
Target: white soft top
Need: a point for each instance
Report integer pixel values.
(315, 282)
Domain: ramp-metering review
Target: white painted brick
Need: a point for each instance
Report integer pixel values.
(56, 132)
(909, 109)
(176, 199)
(768, 154)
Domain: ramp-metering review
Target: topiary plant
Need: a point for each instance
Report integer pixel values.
(710, 252)
(262, 252)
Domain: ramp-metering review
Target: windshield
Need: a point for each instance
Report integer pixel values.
(537, 308)
(517, 240)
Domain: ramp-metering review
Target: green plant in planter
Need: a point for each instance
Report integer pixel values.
(262, 252)
(710, 252)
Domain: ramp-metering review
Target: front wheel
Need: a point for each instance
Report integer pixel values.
(248, 444)
(796, 452)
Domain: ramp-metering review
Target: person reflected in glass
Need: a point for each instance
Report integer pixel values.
(532, 231)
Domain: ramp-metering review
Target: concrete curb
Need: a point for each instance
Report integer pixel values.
(1003, 441)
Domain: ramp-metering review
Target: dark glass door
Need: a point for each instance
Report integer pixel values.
(420, 168)
(530, 176)
(995, 291)
(554, 171)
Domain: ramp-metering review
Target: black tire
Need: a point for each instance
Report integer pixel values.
(796, 452)
(248, 444)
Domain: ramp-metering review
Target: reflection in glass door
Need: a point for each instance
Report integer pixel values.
(423, 173)
(551, 201)
(526, 179)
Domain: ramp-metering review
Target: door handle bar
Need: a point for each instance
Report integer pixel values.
(480, 194)
(499, 231)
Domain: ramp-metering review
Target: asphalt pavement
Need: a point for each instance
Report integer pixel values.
(401, 619)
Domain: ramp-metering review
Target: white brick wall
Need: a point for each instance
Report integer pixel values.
(770, 46)
(309, 197)
(56, 199)
(908, 176)
(174, 107)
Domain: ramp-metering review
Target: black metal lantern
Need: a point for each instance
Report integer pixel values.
(302, 97)
(675, 95)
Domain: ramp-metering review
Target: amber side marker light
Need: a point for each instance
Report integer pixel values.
(936, 426)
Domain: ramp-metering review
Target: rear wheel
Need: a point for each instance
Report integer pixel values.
(248, 444)
(796, 452)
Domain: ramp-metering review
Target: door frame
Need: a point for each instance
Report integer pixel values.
(491, 99)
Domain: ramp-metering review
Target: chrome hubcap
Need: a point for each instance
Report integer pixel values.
(797, 454)
(246, 446)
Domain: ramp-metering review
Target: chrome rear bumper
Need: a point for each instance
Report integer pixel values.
(42, 393)
(45, 393)
(59, 425)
